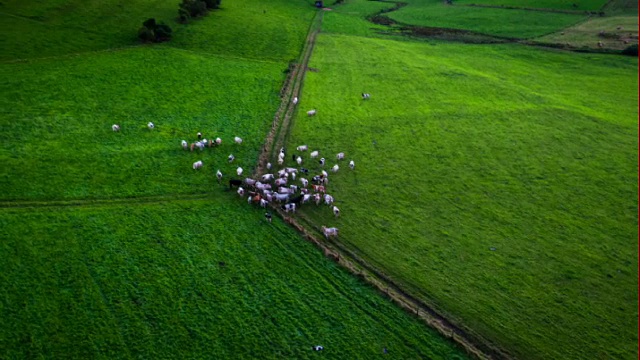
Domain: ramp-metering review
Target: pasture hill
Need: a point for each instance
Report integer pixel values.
(112, 246)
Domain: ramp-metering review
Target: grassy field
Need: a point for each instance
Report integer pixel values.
(187, 279)
(157, 260)
(488, 182)
(511, 23)
(586, 34)
(57, 141)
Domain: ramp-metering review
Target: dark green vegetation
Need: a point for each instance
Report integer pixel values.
(498, 183)
(188, 279)
(156, 260)
(573, 5)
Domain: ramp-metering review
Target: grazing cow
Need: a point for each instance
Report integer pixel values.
(281, 197)
(329, 232)
(197, 165)
(256, 198)
(317, 179)
(284, 190)
(219, 175)
(184, 144)
(324, 174)
(282, 152)
(250, 181)
(340, 156)
(218, 141)
(322, 161)
(269, 166)
(311, 112)
(365, 96)
(150, 125)
(294, 188)
(304, 182)
(600, 44)
(304, 171)
(231, 158)
(290, 170)
(267, 177)
(267, 216)
(234, 182)
(240, 191)
(299, 160)
(282, 173)
(295, 100)
(317, 198)
(318, 347)
(304, 191)
(239, 171)
(199, 134)
(204, 142)
(318, 188)
(237, 140)
(352, 164)
(328, 199)
(192, 146)
(200, 145)
(280, 161)
(306, 198)
(261, 186)
(335, 168)
(263, 203)
(289, 207)
(336, 211)
(302, 148)
(314, 154)
(293, 175)
(280, 182)
(115, 127)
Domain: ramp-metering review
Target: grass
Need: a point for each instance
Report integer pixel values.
(463, 149)
(510, 23)
(57, 141)
(166, 264)
(187, 279)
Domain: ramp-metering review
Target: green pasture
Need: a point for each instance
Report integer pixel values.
(244, 28)
(188, 279)
(350, 18)
(511, 23)
(498, 183)
(57, 141)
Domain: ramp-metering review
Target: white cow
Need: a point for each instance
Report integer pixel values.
(289, 207)
(239, 171)
(150, 125)
(267, 177)
(240, 191)
(336, 211)
(335, 168)
(231, 157)
(304, 182)
(184, 144)
(115, 127)
(219, 175)
(340, 156)
(197, 165)
(314, 154)
(329, 231)
(352, 164)
(237, 140)
(328, 199)
(302, 148)
(299, 160)
(295, 100)
(311, 112)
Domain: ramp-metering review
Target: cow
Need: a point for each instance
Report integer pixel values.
(329, 231)
(290, 207)
(234, 182)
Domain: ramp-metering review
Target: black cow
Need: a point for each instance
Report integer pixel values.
(234, 182)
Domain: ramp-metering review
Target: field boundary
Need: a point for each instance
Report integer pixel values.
(472, 343)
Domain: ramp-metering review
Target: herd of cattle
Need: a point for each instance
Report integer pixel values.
(278, 187)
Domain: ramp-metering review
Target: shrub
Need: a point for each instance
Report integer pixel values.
(631, 50)
(146, 35)
(154, 32)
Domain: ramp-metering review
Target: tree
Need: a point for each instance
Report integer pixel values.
(154, 32)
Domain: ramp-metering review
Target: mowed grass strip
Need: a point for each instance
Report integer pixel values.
(497, 182)
(510, 23)
(57, 142)
(187, 279)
